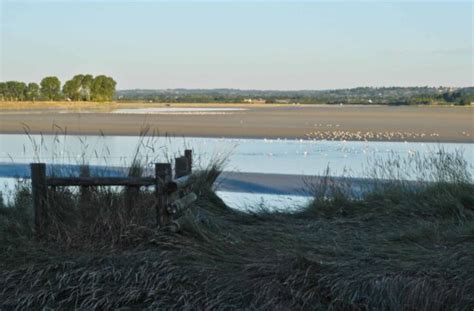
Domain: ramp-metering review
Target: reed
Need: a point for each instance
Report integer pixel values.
(397, 247)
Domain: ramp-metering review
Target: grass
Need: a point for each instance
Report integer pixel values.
(397, 248)
(40, 105)
(109, 106)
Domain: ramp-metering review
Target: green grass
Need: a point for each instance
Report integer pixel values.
(396, 248)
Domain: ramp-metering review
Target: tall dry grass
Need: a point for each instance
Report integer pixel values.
(397, 247)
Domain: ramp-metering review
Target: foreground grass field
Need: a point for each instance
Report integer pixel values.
(398, 248)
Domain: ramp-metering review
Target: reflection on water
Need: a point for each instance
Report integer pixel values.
(186, 110)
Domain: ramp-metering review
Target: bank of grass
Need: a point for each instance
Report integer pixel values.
(57, 105)
(78, 106)
(398, 247)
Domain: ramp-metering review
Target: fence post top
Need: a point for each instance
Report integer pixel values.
(163, 166)
(37, 164)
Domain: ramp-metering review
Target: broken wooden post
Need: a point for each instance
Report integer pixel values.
(176, 225)
(181, 167)
(181, 204)
(188, 154)
(163, 176)
(39, 189)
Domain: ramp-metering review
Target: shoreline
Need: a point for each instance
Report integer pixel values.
(228, 181)
(254, 137)
(28, 105)
(342, 123)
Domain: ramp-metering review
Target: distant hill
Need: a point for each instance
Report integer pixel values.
(360, 95)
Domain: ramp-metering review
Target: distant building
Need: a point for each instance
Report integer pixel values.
(283, 101)
(254, 100)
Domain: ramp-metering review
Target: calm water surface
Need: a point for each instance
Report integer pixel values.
(178, 110)
(307, 157)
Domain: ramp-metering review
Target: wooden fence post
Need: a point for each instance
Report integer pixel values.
(131, 193)
(131, 196)
(163, 175)
(85, 191)
(188, 154)
(40, 196)
(181, 167)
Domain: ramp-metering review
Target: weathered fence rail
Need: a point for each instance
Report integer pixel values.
(101, 181)
(163, 181)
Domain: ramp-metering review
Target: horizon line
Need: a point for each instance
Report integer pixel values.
(295, 90)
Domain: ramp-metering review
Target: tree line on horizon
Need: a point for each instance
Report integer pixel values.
(360, 95)
(80, 88)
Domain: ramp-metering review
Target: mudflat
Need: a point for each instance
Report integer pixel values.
(397, 123)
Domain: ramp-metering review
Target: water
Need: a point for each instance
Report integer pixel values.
(184, 110)
(304, 157)
(254, 201)
(307, 157)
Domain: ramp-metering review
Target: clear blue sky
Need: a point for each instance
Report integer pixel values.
(248, 45)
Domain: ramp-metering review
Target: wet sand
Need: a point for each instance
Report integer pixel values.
(443, 124)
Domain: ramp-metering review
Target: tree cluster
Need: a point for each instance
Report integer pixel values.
(79, 88)
(464, 96)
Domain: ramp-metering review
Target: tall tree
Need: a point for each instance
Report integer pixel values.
(51, 88)
(79, 87)
(15, 90)
(32, 91)
(72, 88)
(103, 88)
(86, 87)
(3, 90)
(10, 90)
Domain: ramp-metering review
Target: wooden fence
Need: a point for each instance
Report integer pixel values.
(163, 181)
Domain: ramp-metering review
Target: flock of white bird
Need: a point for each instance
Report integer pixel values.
(366, 136)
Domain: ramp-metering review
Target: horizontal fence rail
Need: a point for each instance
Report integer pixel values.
(178, 184)
(101, 181)
(163, 182)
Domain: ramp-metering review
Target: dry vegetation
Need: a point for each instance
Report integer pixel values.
(397, 248)
(57, 105)
(73, 106)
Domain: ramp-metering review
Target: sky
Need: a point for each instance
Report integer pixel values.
(285, 45)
